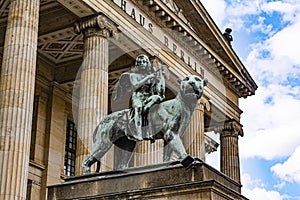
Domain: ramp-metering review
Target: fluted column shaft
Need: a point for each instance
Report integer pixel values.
(230, 162)
(16, 96)
(193, 138)
(93, 98)
(147, 153)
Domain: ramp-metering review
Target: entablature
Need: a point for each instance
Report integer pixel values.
(143, 38)
(227, 63)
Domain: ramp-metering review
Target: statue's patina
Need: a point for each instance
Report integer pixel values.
(147, 88)
(165, 120)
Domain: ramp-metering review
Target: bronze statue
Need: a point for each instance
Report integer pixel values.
(166, 120)
(227, 35)
(147, 88)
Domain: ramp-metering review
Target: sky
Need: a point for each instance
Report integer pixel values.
(266, 38)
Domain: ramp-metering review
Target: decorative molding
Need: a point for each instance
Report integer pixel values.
(58, 90)
(77, 7)
(210, 144)
(4, 8)
(204, 103)
(96, 25)
(229, 128)
(207, 55)
(61, 46)
(172, 5)
(39, 166)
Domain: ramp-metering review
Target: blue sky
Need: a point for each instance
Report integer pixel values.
(266, 36)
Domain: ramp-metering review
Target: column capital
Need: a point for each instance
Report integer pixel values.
(203, 103)
(95, 25)
(229, 127)
(210, 144)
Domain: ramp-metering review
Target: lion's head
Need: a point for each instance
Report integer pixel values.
(191, 87)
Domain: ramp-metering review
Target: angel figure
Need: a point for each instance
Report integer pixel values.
(147, 88)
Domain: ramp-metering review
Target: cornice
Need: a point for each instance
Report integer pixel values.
(79, 8)
(242, 85)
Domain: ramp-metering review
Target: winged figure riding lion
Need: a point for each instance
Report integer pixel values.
(150, 117)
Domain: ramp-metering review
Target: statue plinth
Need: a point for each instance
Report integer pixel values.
(150, 182)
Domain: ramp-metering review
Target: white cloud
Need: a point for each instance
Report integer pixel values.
(272, 125)
(250, 183)
(261, 26)
(272, 116)
(280, 185)
(289, 170)
(216, 9)
(286, 43)
(271, 122)
(236, 10)
(254, 189)
(245, 7)
(232, 13)
(262, 194)
(289, 8)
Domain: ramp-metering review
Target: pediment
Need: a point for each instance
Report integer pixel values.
(178, 11)
(203, 25)
(200, 32)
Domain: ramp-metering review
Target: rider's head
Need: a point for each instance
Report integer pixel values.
(143, 64)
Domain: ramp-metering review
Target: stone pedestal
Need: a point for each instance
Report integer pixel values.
(93, 99)
(16, 96)
(163, 181)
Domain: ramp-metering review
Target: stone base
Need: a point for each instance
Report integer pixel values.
(163, 181)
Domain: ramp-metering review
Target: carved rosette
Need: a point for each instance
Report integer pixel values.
(96, 25)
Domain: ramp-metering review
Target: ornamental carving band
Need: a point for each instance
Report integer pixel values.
(95, 25)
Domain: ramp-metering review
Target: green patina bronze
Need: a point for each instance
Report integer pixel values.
(150, 117)
(147, 88)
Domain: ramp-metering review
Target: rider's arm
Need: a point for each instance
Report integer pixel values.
(136, 83)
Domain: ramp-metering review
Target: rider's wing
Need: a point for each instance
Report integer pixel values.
(123, 86)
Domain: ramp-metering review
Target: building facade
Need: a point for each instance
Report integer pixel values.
(61, 60)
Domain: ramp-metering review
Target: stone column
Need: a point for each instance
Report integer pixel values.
(93, 97)
(16, 96)
(193, 138)
(230, 161)
(147, 153)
